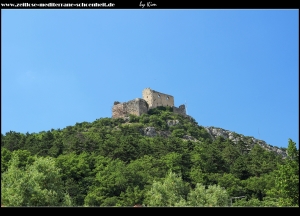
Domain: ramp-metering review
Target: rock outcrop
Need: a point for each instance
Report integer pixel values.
(249, 141)
(149, 131)
(187, 137)
(172, 122)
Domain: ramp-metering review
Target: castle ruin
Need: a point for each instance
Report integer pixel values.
(150, 100)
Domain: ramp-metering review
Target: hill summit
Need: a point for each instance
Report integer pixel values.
(153, 99)
(122, 161)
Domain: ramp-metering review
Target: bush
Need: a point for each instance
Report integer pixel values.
(178, 133)
(133, 118)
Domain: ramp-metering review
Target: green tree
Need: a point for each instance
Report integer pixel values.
(57, 144)
(171, 192)
(254, 202)
(261, 161)
(255, 187)
(178, 133)
(173, 162)
(232, 184)
(131, 197)
(108, 184)
(32, 143)
(240, 167)
(38, 184)
(196, 175)
(286, 188)
(143, 171)
(5, 158)
(13, 140)
(76, 174)
(214, 195)
(24, 158)
(208, 157)
(230, 153)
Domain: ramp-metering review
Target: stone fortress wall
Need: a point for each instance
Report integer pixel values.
(138, 106)
(180, 110)
(155, 98)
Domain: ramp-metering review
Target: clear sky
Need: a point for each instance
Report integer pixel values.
(234, 69)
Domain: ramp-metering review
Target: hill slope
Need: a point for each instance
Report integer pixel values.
(112, 162)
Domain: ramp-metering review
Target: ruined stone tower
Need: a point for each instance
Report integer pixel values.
(155, 99)
(138, 106)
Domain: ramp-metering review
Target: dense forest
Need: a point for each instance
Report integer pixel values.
(115, 162)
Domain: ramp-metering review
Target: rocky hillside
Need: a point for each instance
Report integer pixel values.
(122, 161)
(248, 140)
(214, 132)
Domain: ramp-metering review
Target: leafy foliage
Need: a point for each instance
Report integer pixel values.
(173, 191)
(214, 195)
(110, 162)
(38, 184)
(286, 188)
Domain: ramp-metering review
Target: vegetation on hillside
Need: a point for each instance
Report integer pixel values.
(110, 162)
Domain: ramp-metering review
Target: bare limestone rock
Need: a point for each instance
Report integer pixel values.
(150, 131)
(172, 122)
(187, 137)
(250, 141)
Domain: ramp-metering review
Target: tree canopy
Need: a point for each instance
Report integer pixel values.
(113, 162)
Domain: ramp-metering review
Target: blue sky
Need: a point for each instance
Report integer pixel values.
(234, 69)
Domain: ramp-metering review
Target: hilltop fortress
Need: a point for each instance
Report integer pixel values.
(150, 100)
